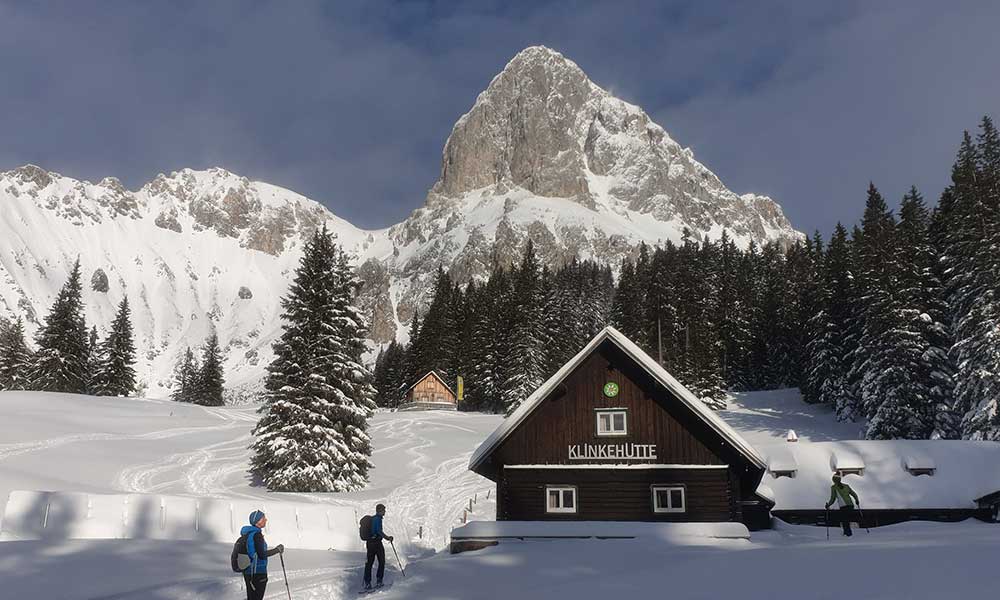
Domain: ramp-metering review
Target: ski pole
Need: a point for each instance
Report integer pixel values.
(862, 515)
(287, 589)
(826, 520)
(401, 569)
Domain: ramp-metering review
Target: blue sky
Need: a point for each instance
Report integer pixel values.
(350, 103)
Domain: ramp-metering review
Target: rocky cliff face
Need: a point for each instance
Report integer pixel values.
(544, 154)
(547, 154)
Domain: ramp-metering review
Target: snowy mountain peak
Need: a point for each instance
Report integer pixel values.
(543, 154)
(543, 127)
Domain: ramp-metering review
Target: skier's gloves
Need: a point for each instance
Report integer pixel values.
(390, 537)
(281, 548)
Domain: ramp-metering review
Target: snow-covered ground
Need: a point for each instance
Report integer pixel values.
(113, 446)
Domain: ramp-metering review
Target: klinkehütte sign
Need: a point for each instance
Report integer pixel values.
(612, 451)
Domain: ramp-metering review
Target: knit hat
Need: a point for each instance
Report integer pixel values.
(256, 516)
(836, 476)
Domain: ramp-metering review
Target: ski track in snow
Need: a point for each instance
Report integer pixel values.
(11, 450)
(423, 484)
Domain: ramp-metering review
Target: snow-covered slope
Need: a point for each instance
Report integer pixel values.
(544, 153)
(151, 448)
(195, 251)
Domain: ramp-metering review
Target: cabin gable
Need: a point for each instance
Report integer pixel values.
(429, 392)
(557, 431)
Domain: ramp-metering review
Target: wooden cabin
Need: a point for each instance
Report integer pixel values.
(430, 392)
(613, 437)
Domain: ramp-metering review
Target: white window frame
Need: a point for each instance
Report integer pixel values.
(561, 489)
(669, 508)
(611, 411)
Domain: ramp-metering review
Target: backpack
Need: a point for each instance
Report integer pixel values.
(365, 530)
(239, 559)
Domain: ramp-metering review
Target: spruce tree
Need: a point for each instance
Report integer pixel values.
(431, 349)
(769, 351)
(732, 312)
(185, 377)
(115, 372)
(492, 343)
(877, 269)
(209, 385)
(411, 365)
(899, 403)
(973, 284)
(60, 362)
(312, 435)
(524, 333)
(379, 379)
(828, 350)
(15, 357)
(627, 308)
(394, 379)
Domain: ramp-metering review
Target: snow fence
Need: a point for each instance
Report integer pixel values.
(64, 515)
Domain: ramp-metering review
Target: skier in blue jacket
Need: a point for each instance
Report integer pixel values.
(255, 575)
(376, 549)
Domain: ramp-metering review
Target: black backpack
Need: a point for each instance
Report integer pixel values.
(240, 547)
(366, 528)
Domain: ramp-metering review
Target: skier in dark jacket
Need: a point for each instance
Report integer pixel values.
(376, 549)
(842, 494)
(255, 575)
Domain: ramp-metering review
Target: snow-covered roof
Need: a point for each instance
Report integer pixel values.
(646, 362)
(963, 472)
(782, 460)
(436, 376)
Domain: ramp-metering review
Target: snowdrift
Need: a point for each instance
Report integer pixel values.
(63, 515)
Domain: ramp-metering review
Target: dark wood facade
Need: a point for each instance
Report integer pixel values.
(617, 495)
(545, 449)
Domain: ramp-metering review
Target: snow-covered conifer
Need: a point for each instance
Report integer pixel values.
(209, 381)
(15, 356)
(185, 377)
(312, 435)
(60, 362)
(115, 372)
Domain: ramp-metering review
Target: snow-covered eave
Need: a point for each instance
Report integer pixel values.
(649, 365)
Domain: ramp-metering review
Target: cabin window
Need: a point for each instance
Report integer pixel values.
(789, 473)
(916, 472)
(612, 422)
(668, 499)
(560, 499)
(859, 471)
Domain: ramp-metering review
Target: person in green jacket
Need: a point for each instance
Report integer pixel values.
(843, 494)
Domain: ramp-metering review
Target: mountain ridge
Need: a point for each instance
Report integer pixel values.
(543, 153)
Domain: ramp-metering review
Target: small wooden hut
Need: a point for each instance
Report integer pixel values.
(430, 392)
